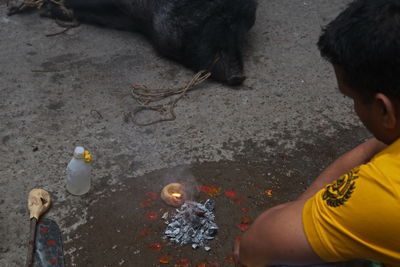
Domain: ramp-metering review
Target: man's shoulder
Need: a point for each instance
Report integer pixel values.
(384, 167)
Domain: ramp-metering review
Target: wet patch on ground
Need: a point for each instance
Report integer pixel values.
(125, 228)
(124, 225)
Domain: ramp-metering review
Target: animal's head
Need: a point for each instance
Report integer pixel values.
(216, 43)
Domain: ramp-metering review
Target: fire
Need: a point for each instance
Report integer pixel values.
(173, 194)
(177, 195)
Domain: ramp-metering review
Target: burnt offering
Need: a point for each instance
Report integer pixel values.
(193, 223)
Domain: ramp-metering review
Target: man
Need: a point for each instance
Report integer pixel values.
(352, 210)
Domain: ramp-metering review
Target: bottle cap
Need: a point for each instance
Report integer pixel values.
(79, 152)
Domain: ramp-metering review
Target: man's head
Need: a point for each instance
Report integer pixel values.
(363, 44)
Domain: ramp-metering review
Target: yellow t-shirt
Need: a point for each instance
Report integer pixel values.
(358, 216)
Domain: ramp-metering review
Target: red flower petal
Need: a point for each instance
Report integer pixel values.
(182, 263)
(155, 247)
(210, 190)
(230, 194)
(145, 232)
(245, 220)
(243, 227)
(245, 210)
(238, 201)
(152, 195)
(152, 216)
(146, 203)
(165, 259)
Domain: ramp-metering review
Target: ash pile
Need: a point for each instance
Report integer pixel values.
(193, 223)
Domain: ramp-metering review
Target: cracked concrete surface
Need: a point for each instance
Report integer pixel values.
(53, 89)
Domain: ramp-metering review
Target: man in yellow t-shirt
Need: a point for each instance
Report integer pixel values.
(352, 210)
(358, 215)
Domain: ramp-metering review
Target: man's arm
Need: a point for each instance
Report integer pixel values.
(277, 237)
(355, 157)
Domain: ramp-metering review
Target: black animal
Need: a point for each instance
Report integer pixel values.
(200, 34)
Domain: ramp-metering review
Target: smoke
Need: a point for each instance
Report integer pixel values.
(184, 176)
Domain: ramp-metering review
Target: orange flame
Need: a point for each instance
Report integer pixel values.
(177, 195)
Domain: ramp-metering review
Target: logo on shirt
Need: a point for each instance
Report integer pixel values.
(341, 190)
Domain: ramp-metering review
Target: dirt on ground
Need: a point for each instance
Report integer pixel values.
(266, 140)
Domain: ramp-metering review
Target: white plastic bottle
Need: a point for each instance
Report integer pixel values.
(78, 172)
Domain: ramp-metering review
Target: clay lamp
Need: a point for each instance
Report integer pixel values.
(173, 194)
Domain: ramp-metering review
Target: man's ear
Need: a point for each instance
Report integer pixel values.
(387, 111)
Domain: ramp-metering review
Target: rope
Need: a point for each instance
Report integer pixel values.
(145, 97)
(68, 12)
(13, 9)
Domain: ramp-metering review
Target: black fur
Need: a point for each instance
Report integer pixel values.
(201, 34)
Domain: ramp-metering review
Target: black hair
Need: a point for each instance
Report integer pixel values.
(364, 41)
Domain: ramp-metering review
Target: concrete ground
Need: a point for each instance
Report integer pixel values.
(276, 132)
